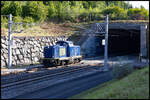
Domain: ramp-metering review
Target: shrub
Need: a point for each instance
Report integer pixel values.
(99, 17)
(35, 9)
(115, 12)
(51, 11)
(27, 20)
(138, 14)
(15, 8)
(84, 16)
(120, 71)
(11, 7)
(5, 7)
(4, 22)
(18, 19)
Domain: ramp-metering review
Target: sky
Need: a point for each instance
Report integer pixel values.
(139, 3)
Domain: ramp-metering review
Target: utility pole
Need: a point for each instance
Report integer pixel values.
(106, 44)
(9, 42)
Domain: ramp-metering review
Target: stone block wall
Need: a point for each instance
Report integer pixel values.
(26, 50)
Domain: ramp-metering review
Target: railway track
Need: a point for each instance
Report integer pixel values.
(28, 73)
(47, 75)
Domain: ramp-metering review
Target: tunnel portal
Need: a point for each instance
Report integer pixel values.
(123, 39)
(120, 42)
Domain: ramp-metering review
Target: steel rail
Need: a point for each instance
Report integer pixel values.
(57, 69)
(45, 76)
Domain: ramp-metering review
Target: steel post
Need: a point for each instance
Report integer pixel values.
(9, 42)
(106, 44)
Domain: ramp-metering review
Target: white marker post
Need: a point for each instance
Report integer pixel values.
(106, 44)
(9, 42)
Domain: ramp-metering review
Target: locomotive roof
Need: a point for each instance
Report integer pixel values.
(70, 43)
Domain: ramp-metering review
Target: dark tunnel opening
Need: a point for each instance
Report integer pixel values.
(122, 42)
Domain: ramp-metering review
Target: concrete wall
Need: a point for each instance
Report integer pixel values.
(92, 47)
(143, 50)
(26, 50)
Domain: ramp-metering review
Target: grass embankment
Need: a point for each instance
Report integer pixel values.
(133, 86)
(47, 29)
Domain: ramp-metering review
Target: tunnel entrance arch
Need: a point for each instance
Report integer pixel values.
(124, 39)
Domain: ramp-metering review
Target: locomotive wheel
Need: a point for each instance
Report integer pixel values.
(58, 62)
(74, 61)
(66, 62)
(77, 60)
(80, 59)
(62, 63)
(46, 63)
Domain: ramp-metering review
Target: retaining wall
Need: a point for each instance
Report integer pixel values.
(26, 50)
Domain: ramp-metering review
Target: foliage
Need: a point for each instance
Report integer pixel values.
(5, 7)
(4, 21)
(51, 10)
(115, 12)
(35, 9)
(120, 71)
(27, 20)
(137, 13)
(13, 7)
(73, 11)
(18, 19)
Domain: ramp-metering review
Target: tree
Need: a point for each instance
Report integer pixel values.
(52, 13)
(138, 14)
(12, 7)
(115, 12)
(35, 9)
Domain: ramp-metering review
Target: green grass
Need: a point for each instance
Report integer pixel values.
(133, 86)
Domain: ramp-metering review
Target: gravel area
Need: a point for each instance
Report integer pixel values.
(7, 72)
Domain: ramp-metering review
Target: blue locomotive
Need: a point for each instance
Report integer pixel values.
(64, 52)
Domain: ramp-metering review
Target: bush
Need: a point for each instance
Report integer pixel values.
(18, 19)
(120, 71)
(4, 22)
(138, 14)
(5, 7)
(35, 9)
(15, 8)
(99, 16)
(51, 11)
(27, 20)
(115, 12)
(84, 16)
